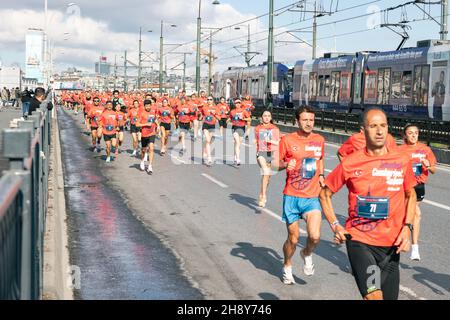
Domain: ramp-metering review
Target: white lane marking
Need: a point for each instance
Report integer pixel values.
(332, 145)
(223, 185)
(443, 168)
(246, 145)
(277, 216)
(178, 159)
(410, 292)
(436, 204)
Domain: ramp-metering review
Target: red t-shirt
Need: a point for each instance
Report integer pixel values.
(383, 177)
(109, 122)
(265, 133)
(237, 115)
(148, 117)
(194, 107)
(417, 153)
(210, 114)
(224, 110)
(358, 141)
(248, 106)
(95, 114)
(121, 118)
(184, 113)
(88, 104)
(165, 114)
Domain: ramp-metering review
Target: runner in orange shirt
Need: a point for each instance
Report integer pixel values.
(239, 118)
(358, 141)
(132, 115)
(210, 115)
(148, 121)
(166, 116)
(381, 209)
(87, 105)
(301, 154)
(94, 115)
(109, 124)
(248, 105)
(267, 137)
(424, 162)
(183, 113)
(121, 120)
(196, 113)
(224, 109)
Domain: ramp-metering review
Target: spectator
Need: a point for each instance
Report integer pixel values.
(26, 98)
(35, 102)
(4, 96)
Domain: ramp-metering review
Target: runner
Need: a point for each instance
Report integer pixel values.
(87, 105)
(302, 154)
(424, 162)
(195, 114)
(95, 114)
(247, 104)
(148, 122)
(184, 121)
(381, 209)
(166, 116)
(121, 119)
(239, 118)
(210, 115)
(109, 125)
(224, 109)
(267, 137)
(133, 114)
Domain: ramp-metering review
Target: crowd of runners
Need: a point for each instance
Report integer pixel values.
(386, 181)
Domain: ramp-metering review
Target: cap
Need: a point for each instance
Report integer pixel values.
(237, 100)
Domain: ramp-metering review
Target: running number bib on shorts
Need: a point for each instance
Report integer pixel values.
(417, 168)
(309, 168)
(374, 208)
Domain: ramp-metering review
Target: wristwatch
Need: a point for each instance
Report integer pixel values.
(410, 226)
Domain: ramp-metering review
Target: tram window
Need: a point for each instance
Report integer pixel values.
(406, 84)
(335, 86)
(370, 90)
(384, 77)
(345, 86)
(396, 85)
(420, 88)
(327, 86)
(313, 84)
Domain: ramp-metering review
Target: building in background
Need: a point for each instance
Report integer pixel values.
(103, 67)
(34, 55)
(11, 77)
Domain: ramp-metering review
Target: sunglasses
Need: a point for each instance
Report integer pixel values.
(210, 99)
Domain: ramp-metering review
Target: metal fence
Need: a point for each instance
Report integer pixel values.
(23, 204)
(430, 131)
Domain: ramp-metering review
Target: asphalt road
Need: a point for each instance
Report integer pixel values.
(231, 249)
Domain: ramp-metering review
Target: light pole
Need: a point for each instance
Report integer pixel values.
(197, 60)
(140, 58)
(161, 55)
(270, 56)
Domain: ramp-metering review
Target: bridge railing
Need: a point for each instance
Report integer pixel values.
(23, 204)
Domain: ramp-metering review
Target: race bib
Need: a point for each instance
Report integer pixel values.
(120, 118)
(165, 113)
(135, 119)
(182, 113)
(237, 117)
(309, 167)
(374, 208)
(209, 118)
(417, 168)
(109, 127)
(150, 120)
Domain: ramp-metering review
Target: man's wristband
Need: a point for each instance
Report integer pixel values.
(321, 175)
(334, 224)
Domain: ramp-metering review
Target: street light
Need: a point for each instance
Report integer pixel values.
(197, 60)
(140, 57)
(161, 51)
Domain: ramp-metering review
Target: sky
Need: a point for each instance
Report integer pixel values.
(85, 29)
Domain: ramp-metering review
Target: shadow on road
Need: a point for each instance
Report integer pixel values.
(262, 258)
(245, 201)
(428, 277)
(268, 296)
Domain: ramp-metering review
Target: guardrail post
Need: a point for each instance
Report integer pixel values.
(334, 121)
(285, 114)
(322, 113)
(16, 147)
(345, 123)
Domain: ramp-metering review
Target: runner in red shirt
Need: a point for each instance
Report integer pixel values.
(109, 124)
(148, 121)
(132, 115)
(196, 113)
(210, 116)
(224, 109)
(183, 112)
(248, 105)
(121, 120)
(423, 162)
(166, 116)
(358, 141)
(267, 137)
(87, 105)
(301, 154)
(381, 209)
(94, 115)
(239, 118)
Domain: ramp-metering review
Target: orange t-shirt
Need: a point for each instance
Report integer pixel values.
(184, 113)
(358, 141)
(210, 114)
(95, 114)
(237, 115)
(195, 109)
(121, 118)
(165, 114)
(385, 178)
(263, 133)
(224, 110)
(248, 106)
(303, 180)
(109, 122)
(417, 153)
(148, 117)
(133, 114)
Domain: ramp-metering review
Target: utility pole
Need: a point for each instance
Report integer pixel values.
(125, 76)
(45, 72)
(210, 63)
(161, 61)
(184, 70)
(444, 19)
(270, 56)
(115, 71)
(140, 60)
(314, 47)
(197, 58)
(247, 54)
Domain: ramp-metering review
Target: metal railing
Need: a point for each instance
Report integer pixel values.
(23, 205)
(430, 131)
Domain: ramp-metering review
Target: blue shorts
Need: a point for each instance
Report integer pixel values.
(294, 208)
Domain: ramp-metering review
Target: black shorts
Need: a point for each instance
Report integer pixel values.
(266, 155)
(109, 137)
(209, 127)
(223, 123)
(85, 114)
(134, 129)
(121, 129)
(375, 268)
(165, 126)
(420, 192)
(240, 130)
(145, 141)
(185, 126)
(94, 128)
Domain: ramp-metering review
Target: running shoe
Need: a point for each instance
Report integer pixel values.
(134, 153)
(108, 159)
(308, 265)
(142, 166)
(149, 169)
(288, 278)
